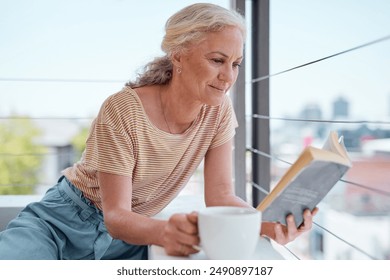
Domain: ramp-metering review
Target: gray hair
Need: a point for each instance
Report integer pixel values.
(182, 29)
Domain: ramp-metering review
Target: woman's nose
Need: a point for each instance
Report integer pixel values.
(226, 74)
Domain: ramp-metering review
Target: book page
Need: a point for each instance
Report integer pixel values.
(329, 142)
(336, 145)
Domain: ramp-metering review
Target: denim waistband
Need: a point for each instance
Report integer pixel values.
(89, 210)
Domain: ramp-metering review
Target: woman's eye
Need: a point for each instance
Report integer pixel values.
(217, 60)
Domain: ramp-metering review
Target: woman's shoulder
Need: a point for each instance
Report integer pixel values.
(121, 103)
(126, 96)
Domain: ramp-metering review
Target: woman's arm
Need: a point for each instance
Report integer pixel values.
(219, 190)
(177, 235)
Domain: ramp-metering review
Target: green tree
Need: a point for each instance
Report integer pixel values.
(78, 142)
(20, 156)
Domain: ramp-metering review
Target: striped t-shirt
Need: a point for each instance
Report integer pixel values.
(123, 141)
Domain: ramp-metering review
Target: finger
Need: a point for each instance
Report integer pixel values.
(178, 250)
(291, 226)
(181, 249)
(183, 231)
(279, 234)
(307, 221)
(185, 250)
(184, 223)
(193, 217)
(315, 211)
(187, 239)
(180, 222)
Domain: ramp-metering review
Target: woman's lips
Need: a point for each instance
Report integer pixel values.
(221, 89)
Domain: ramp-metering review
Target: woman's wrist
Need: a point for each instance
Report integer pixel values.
(267, 229)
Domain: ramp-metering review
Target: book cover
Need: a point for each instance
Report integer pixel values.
(306, 182)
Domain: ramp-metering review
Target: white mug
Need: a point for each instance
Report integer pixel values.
(228, 232)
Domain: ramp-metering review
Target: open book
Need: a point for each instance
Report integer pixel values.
(307, 181)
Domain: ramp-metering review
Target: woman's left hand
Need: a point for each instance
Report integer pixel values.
(284, 234)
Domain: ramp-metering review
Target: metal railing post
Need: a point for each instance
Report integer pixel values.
(238, 99)
(261, 171)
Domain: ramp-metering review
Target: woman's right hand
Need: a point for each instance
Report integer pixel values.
(180, 235)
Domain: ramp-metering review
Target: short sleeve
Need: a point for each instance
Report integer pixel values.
(227, 125)
(109, 147)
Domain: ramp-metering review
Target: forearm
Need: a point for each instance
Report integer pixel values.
(224, 199)
(134, 228)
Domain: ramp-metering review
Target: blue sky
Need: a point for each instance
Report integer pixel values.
(303, 31)
(111, 39)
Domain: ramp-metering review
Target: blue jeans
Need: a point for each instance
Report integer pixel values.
(63, 225)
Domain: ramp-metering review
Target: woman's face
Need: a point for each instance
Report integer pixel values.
(211, 67)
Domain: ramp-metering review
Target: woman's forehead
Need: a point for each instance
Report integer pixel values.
(227, 42)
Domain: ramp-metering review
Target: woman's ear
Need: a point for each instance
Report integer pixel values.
(176, 59)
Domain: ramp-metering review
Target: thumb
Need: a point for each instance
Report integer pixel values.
(193, 217)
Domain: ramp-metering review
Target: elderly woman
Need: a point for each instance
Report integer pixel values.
(144, 145)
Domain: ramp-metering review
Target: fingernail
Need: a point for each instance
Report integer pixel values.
(196, 247)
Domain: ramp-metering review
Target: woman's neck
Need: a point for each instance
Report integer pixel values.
(178, 109)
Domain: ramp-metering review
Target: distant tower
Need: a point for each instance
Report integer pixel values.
(340, 108)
